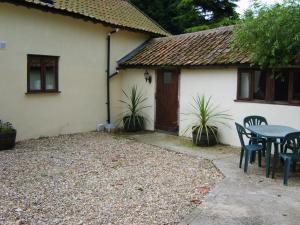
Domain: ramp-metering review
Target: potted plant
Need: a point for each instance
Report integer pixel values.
(206, 117)
(133, 119)
(7, 136)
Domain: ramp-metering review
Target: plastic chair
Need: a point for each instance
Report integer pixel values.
(291, 142)
(248, 150)
(256, 121)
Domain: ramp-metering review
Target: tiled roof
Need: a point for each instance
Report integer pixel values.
(119, 13)
(208, 47)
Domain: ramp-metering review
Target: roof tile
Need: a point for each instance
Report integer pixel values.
(120, 13)
(208, 47)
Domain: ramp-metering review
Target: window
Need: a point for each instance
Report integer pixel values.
(260, 82)
(167, 77)
(244, 84)
(42, 74)
(281, 86)
(263, 86)
(296, 86)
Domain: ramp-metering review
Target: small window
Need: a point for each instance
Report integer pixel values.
(42, 74)
(244, 84)
(296, 86)
(167, 77)
(35, 75)
(281, 86)
(260, 81)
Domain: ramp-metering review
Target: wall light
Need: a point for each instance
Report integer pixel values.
(148, 77)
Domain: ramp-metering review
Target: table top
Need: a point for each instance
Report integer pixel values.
(271, 131)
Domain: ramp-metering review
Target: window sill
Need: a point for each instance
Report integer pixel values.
(42, 92)
(268, 103)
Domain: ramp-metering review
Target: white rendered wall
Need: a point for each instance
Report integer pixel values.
(131, 77)
(82, 49)
(221, 84)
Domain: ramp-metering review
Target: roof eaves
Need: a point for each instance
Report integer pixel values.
(180, 66)
(133, 52)
(50, 8)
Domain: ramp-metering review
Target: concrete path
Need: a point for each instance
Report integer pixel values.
(244, 199)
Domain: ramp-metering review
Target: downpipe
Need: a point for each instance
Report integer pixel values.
(108, 75)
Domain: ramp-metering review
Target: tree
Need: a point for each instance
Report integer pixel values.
(162, 11)
(270, 35)
(214, 14)
(178, 16)
(222, 22)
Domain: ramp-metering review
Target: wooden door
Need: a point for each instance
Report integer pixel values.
(167, 100)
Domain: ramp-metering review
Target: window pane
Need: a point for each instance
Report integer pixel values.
(167, 77)
(50, 77)
(35, 76)
(281, 92)
(244, 85)
(296, 86)
(260, 85)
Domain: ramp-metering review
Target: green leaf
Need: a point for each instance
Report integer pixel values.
(270, 35)
(206, 117)
(134, 106)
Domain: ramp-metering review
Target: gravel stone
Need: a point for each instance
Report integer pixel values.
(96, 178)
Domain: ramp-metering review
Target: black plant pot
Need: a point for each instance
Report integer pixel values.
(202, 140)
(133, 124)
(8, 140)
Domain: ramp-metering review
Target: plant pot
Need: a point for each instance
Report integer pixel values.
(202, 139)
(8, 140)
(133, 124)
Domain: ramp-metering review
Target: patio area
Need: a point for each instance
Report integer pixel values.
(144, 178)
(96, 178)
(239, 198)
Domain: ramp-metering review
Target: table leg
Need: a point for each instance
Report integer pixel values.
(268, 154)
(276, 155)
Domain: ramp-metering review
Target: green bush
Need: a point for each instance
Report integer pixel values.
(270, 35)
(134, 102)
(6, 128)
(223, 22)
(206, 117)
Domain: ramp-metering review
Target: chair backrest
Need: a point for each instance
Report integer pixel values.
(292, 141)
(241, 132)
(255, 121)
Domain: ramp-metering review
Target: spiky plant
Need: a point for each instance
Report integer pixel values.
(135, 104)
(206, 117)
(6, 128)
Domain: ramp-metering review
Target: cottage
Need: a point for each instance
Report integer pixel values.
(57, 58)
(53, 61)
(203, 62)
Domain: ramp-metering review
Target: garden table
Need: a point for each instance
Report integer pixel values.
(271, 133)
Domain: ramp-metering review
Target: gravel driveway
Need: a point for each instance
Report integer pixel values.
(95, 178)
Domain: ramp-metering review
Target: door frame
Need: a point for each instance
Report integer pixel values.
(178, 97)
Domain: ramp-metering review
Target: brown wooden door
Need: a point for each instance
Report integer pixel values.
(167, 100)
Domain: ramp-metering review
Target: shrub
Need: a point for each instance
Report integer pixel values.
(6, 127)
(270, 35)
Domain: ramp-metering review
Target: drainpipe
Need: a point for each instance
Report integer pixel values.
(108, 76)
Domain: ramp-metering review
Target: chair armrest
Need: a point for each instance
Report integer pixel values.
(257, 139)
(248, 135)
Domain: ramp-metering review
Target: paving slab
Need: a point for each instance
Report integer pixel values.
(246, 199)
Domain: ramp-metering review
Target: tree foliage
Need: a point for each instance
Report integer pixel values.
(220, 23)
(270, 35)
(178, 16)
